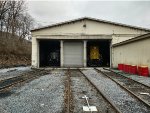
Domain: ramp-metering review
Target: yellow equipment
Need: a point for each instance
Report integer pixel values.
(94, 52)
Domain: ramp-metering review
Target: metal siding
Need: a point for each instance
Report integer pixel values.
(135, 53)
(93, 28)
(73, 54)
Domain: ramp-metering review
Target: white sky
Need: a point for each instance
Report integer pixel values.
(135, 13)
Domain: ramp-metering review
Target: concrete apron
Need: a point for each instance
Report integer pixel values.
(65, 68)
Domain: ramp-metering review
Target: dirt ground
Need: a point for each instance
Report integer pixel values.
(12, 60)
(46, 92)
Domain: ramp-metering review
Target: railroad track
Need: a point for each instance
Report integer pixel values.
(6, 84)
(73, 95)
(68, 94)
(139, 90)
(126, 77)
(114, 107)
(133, 87)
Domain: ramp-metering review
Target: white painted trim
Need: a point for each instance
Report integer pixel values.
(61, 53)
(74, 37)
(110, 47)
(84, 53)
(38, 53)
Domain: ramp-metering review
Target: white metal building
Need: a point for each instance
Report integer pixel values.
(71, 40)
(135, 51)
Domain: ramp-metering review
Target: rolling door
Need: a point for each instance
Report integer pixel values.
(73, 54)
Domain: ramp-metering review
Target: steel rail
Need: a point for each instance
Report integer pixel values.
(15, 77)
(68, 95)
(130, 92)
(127, 78)
(68, 91)
(6, 87)
(103, 95)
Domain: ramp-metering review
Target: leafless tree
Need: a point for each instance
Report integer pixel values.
(24, 25)
(14, 18)
(3, 10)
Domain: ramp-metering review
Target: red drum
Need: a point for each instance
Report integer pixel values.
(144, 71)
(120, 66)
(139, 70)
(133, 69)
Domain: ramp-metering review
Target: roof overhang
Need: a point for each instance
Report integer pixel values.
(93, 19)
(76, 37)
(145, 36)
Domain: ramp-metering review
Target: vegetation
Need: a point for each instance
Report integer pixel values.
(15, 19)
(15, 25)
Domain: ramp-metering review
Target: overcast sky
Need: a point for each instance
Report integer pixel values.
(135, 13)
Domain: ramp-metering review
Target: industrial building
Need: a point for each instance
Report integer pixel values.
(135, 51)
(83, 42)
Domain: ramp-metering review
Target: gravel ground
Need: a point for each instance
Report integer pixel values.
(121, 98)
(133, 86)
(142, 79)
(104, 70)
(42, 95)
(12, 72)
(80, 87)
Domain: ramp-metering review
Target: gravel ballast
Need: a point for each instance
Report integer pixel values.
(141, 79)
(12, 72)
(80, 87)
(135, 87)
(42, 95)
(125, 102)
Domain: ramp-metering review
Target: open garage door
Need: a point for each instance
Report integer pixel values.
(73, 54)
(98, 53)
(49, 53)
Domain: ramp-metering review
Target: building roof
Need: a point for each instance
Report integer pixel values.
(93, 19)
(132, 40)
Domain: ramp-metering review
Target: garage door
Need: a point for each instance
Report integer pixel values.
(73, 54)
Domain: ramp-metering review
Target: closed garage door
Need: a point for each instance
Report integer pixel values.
(73, 54)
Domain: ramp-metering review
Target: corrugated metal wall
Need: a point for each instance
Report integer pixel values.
(75, 30)
(73, 54)
(134, 53)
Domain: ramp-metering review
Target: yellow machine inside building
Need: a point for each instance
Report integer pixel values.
(94, 52)
(95, 58)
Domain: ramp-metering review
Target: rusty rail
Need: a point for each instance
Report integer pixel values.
(103, 95)
(127, 77)
(68, 93)
(12, 84)
(130, 92)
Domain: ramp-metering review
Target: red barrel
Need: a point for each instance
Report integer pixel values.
(125, 68)
(120, 66)
(144, 71)
(128, 68)
(133, 69)
(139, 70)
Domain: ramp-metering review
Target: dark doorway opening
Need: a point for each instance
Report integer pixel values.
(49, 53)
(98, 53)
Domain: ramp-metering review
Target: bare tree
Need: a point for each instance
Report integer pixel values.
(24, 26)
(16, 9)
(3, 10)
(14, 18)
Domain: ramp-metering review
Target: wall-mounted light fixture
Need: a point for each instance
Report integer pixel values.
(84, 25)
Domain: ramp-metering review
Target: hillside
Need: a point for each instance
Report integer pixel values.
(14, 51)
